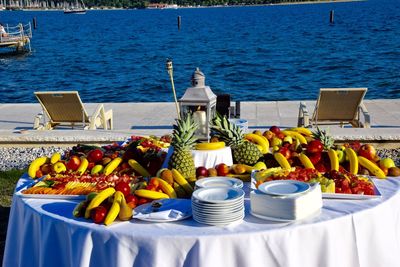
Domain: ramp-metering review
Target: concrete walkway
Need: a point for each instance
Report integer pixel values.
(16, 121)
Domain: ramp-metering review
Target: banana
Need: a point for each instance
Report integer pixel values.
(79, 209)
(372, 167)
(302, 130)
(35, 166)
(209, 146)
(138, 168)
(166, 187)
(259, 140)
(294, 134)
(55, 158)
(150, 194)
(180, 192)
(333, 157)
(125, 213)
(114, 210)
(97, 169)
(305, 160)
(98, 199)
(352, 156)
(283, 162)
(182, 181)
(84, 164)
(112, 165)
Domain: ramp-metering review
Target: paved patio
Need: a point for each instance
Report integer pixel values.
(16, 121)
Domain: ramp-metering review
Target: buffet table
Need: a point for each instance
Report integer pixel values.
(43, 232)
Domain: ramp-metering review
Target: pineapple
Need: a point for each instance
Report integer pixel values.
(324, 137)
(183, 140)
(243, 151)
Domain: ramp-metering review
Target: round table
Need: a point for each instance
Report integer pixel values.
(43, 232)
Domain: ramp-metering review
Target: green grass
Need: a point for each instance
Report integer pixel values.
(8, 180)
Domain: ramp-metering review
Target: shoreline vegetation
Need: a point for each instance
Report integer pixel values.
(49, 5)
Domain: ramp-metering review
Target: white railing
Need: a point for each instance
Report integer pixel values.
(17, 33)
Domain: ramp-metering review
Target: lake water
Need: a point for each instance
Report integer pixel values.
(284, 52)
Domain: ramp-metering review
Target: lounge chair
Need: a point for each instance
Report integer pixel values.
(66, 108)
(336, 106)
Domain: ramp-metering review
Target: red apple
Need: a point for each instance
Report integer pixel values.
(222, 169)
(314, 157)
(132, 200)
(201, 171)
(280, 135)
(95, 155)
(315, 146)
(367, 151)
(91, 165)
(73, 163)
(320, 167)
(275, 129)
(285, 152)
(98, 214)
(123, 187)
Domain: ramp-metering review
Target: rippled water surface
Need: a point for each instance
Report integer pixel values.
(254, 53)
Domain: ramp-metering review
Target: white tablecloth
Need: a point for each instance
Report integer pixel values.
(346, 233)
(207, 158)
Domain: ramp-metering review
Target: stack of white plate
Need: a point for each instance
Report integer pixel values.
(218, 181)
(218, 205)
(286, 200)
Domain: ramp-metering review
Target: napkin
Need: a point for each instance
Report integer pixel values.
(171, 209)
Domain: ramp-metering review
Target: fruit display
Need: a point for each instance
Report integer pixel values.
(116, 178)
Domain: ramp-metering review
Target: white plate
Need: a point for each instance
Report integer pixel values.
(218, 195)
(283, 187)
(219, 181)
(205, 205)
(182, 205)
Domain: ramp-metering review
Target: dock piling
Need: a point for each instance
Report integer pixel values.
(331, 16)
(179, 22)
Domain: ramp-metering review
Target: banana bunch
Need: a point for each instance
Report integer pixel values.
(209, 146)
(261, 142)
(119, 207)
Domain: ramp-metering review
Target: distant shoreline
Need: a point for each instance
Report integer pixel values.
(184, 7)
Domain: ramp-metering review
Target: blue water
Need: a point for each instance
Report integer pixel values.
(254, 53)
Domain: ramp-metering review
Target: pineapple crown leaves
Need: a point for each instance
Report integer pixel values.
(324, 137)
(227, 131)
(183, 133)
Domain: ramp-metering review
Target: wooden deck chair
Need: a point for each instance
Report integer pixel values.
(337, 106)
(66, 108)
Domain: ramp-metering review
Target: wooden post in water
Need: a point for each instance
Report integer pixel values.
(34, 23)
(179, 22)
(331, 16)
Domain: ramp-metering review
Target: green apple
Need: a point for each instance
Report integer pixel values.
(387, 163)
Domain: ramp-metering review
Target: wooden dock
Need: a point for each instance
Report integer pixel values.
(18, 37)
